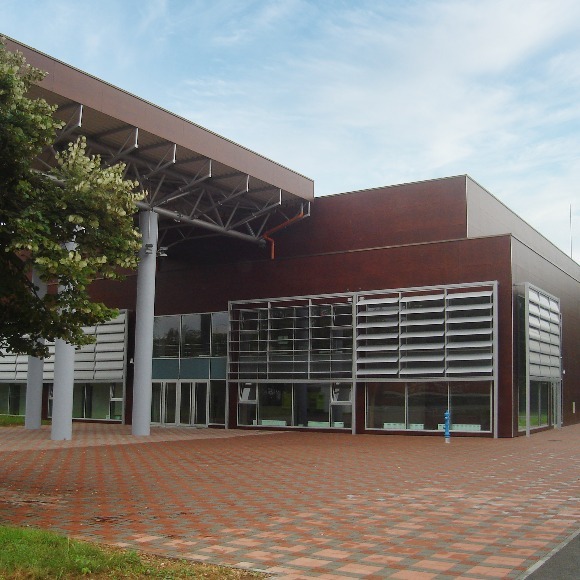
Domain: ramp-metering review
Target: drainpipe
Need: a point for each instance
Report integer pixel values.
(266, 235)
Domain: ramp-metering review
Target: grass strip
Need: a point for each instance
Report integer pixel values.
(9, 420)
(28, 553)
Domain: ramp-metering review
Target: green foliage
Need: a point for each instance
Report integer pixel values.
(71, 224)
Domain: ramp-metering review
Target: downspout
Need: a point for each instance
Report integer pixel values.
(266, 235)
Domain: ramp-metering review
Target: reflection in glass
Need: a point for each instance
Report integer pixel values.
(92, 401)
(312, 405)
(219, 333)
(166, 337)
(386, 406)
(341, 393)
(195, 335)
(156, 403)
(247, 413)
(4, 399)
(200, 417)
(341, 416)
(275, 405)
(470, 406)
(217, 403)
(427, 405)
(116, 410)
(185, 404)
(78, 401)
(170, 402)
(247, 393)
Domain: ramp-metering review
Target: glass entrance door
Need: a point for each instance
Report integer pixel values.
(180, 403)
(163, 402)
(193, 405)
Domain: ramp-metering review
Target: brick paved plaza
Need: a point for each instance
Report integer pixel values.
(303, 505)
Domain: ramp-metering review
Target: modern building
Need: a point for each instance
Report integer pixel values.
(259, 306)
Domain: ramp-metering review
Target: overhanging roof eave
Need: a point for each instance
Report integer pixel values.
(79, 87)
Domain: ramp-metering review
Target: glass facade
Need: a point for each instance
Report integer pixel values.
(415, 353)
(317, 405)
(12, 399)
(538, 369)
(103, 401)
(421, 406)
(190, 335)
(189, 369)
(288, 341)
(195, 335)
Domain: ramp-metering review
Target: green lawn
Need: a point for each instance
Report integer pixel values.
(11, 420)
(37, 554)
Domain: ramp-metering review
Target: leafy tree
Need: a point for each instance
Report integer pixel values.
(71, 224)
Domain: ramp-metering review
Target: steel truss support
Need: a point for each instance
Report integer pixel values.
(199, 223)
(131, 144)
(75, 122)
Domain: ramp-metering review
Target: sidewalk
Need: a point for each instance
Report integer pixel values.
(303, 505)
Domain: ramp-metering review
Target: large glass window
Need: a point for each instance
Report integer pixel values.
(247, 407)
(540, 404)
(422, 406)
(4, 398)
(300, 405)
(470, 406)
(166, 336)
(116, 402)
(219, 333)
(95, 401)
(217, 403)
(386, 406)
(293, 341)
(275, 405)
(341, 405)
(156, 402)
(312, 405)
(12, 399)
(195, 335)
(545, 408)
(427, 403)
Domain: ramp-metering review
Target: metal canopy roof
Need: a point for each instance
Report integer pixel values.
(198, 182)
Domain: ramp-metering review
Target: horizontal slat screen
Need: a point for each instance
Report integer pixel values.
(446, 333)
(106, 359)
(544, 330)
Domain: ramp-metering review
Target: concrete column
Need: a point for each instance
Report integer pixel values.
(62, 394)
(63, 386)
(33, 417)
(145, 312)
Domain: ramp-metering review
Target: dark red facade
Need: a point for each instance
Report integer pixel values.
(404, 236)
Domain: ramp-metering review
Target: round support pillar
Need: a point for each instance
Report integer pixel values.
(33, 417)
(62, 394)
(144, 313)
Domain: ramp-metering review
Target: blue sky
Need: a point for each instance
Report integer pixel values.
(354, 94)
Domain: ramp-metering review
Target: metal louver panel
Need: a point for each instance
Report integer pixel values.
(104, 360)
(446, 332)
(543, 335)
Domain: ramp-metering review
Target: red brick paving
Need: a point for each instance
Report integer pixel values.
(302, 505)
